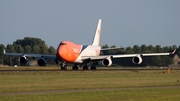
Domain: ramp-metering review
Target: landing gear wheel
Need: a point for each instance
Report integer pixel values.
(63, 66)
(75, 67)
(85, 67)
(93, 67)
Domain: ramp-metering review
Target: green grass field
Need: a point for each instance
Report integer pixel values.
(131, 85)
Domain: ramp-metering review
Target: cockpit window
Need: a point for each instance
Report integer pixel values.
(63, 43)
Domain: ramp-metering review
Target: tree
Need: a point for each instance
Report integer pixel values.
(151, 49)
(36, 49)
(27, 49)
(51, 50)
(29, 41)
(165, 49)
(143, 48)
(158, 49)
(105, 46)
(136, 49)
(43, 49)
(2, 47)
(121, 51)
(129, 50)
(11, 48)
(20, 49)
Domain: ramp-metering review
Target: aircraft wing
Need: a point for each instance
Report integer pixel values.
(31, 55)
(125, 55)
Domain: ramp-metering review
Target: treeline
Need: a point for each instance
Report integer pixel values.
(38, 46)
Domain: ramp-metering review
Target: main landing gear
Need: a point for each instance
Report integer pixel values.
(85, 67)
(93, 67)
(63, 66)
(75, 67)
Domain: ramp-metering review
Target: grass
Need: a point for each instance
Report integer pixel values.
(119, 95)
(151, 85)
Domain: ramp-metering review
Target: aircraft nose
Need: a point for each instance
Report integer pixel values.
(62, 52)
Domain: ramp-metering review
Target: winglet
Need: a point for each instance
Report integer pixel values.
(173, 51)
(4, 51)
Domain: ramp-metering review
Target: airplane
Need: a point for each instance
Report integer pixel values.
(82, 55)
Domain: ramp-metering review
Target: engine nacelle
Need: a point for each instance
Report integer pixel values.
(137, 60)
(42, 62)
(23, 59)
(107, 61)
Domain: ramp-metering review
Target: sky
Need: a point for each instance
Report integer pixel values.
(124, 22)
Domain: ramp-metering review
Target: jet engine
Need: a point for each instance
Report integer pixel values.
(107, 61)
(42, 61)
(23, 59)
(137, 60)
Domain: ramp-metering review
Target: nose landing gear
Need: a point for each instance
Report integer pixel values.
(63, 66)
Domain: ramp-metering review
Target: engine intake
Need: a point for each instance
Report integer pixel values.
(107, 61)
(137, 60)
(42, 62)
(23, 59)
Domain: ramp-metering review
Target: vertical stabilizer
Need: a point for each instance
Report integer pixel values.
(96, 41)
